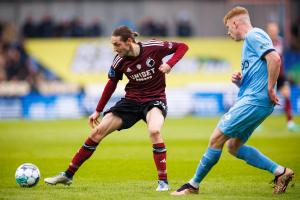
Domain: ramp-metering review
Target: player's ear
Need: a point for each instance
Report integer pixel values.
(129, 40)
(235, 24)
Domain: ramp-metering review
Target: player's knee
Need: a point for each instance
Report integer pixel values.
(212, 142)
(97, 134)
(232, 148)
(154, 132)
(215, 142)
(217, 139)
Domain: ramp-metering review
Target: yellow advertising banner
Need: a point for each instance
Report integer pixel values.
(88, 60)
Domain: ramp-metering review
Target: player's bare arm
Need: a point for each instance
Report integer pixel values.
(273, 62)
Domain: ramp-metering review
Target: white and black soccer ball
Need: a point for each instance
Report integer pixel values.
(27, 175)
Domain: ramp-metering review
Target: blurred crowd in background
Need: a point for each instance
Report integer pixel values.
(30, 89)
(17, 65)
(48, 27)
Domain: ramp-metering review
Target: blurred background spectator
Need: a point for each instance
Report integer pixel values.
(22, 22)
(295, 34)
(184, 26)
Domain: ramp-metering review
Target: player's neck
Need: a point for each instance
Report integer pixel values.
(247, 28)
(135, 50)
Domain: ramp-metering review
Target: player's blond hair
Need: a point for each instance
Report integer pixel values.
(234, 12)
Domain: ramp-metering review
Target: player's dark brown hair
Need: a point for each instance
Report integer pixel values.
(124, 32)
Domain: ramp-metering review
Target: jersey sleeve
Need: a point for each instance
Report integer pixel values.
(109, 89)
(168, 48)
(261, 43)
(179, 50)
(114, 72)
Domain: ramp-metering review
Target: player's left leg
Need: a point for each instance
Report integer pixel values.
(155, 121)
(252, 156)
(257, 159)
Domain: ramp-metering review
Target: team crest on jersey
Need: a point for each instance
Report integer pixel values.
(128, 70)
(138, 66)
(150, 62)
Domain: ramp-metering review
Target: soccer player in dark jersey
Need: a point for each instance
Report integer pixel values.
(283, 86)
(145, 98)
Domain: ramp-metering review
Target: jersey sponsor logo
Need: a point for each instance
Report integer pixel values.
(143, 76)
(150, 62)
(245, 64)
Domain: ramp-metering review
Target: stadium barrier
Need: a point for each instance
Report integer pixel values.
(14, 88)
(202, 100)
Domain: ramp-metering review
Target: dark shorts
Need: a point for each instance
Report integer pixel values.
(281, 81)
(131, 111)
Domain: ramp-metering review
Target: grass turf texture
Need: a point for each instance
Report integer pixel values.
(122, 167)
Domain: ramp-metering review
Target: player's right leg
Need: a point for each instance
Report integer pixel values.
(109, 123)
(256, 159)
(155, 121)
(208, 160)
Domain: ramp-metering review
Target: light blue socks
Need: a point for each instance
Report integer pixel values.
(247, 153)
(209, 159)
(255, 158)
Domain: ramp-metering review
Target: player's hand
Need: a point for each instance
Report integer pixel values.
(273, 96)
(164, 68)
(236, 78)
(94, 119)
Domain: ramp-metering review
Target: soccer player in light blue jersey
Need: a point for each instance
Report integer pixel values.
(255, 102)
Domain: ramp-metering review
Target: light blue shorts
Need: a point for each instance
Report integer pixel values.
(242, 119)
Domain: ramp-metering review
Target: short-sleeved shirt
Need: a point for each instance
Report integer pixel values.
(146, 82)
(278, 44)
(254, 83)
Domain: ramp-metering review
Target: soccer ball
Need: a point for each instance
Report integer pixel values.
(27, 175)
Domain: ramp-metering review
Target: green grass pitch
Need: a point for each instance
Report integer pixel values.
(123, 168)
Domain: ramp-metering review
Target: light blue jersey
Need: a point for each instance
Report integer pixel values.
(254, 84)
(253, 105)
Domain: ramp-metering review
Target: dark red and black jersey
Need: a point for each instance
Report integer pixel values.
(146, 82)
